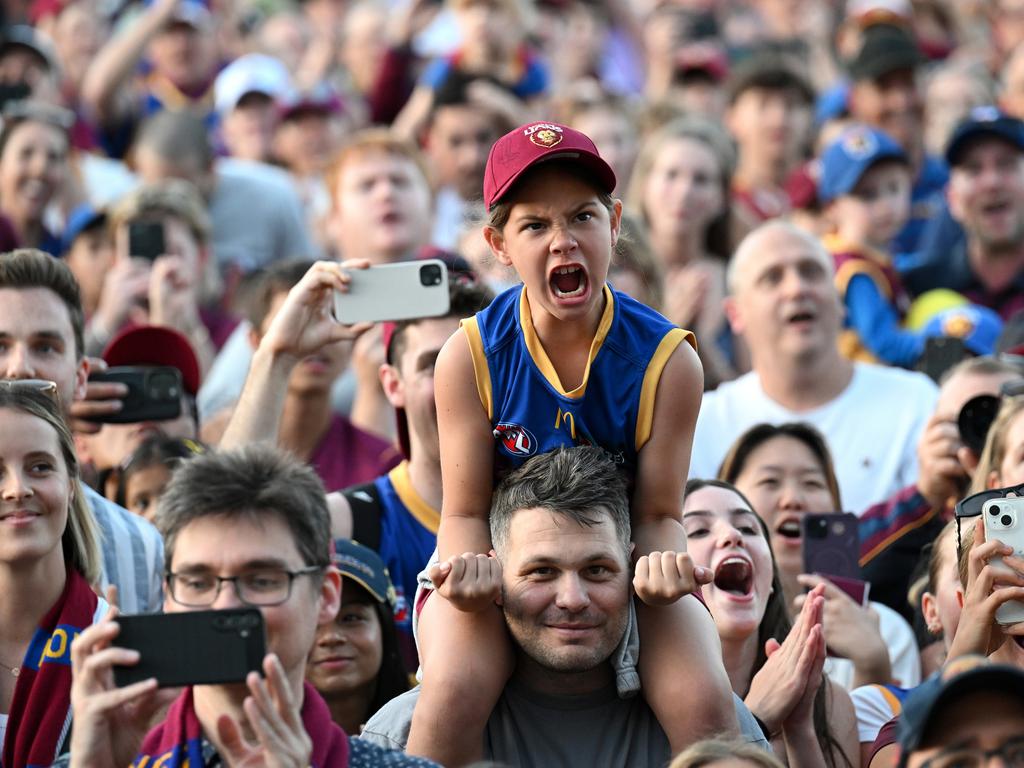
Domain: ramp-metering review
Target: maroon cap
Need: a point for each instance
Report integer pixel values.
(521, 149)
(155, 345)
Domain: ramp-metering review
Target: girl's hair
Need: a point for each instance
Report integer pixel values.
(155, 450)
(707, 753)
(80, 540)
(776, 624)
(392, 678)
(996, 443)
(498, 215)
(717, 239)
(735, 460)
(633, 252)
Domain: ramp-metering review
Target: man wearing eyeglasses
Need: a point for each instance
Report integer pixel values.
(245, 528)
(971, 717)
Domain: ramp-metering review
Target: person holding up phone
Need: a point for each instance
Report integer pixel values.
(49, 560)
(273, 511)
(786, 471)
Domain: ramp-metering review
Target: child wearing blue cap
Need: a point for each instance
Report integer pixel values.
(864, 187)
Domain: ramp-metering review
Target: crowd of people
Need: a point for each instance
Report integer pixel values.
(726, 278)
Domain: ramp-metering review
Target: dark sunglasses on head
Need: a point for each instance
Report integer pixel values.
(971, 506)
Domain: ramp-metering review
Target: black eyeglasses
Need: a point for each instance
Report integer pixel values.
(971, 506)
(260, 588)
(42, 386)
(1011, 752)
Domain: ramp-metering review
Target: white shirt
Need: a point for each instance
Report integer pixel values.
(872, 428)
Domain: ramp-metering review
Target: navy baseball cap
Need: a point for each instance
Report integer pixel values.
(984, 121)
(365, 567)
(82, 218)
(849, 157)
(962, 677)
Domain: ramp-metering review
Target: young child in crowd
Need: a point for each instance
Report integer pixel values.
(145, 474)
(562, 359)
(864, 187)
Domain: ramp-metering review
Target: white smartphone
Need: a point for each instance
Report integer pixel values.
(403, 291)
(1004, 520)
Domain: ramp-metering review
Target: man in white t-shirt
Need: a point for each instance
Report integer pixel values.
(784, 304)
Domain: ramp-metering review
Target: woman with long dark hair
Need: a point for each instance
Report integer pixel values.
(355, 663)
(776, 665)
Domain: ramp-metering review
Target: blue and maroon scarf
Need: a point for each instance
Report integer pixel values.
(40, 716)
(178, 741)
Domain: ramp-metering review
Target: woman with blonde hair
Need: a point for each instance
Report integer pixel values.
(680, 192)
(49, 560)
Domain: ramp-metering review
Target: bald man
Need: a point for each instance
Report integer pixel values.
(784, 303)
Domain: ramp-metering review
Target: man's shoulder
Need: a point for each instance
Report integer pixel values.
(389, 726)
(900, 385)
(118, 520)
(364, 754)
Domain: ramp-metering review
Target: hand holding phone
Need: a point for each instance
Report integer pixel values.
(153, 393)
(1004, 521)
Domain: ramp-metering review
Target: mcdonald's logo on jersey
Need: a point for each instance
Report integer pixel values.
(516, 440)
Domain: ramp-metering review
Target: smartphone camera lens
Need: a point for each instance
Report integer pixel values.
(430, 274)
(994, 510)
(1006, 521)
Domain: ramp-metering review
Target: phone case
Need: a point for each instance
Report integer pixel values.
(1004, 520)
(193, 647)
(146, 240)
(831, 545)
(154, 393)
(403, 291)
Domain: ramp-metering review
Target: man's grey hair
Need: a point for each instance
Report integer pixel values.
(582, 483)
(751, 245)
(254, 483)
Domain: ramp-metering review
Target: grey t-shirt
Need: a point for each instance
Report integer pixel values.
(532, 730)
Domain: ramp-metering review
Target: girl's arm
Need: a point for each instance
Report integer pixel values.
(467, 453)
(681, 667)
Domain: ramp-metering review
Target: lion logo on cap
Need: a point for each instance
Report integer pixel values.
(859, 144)
(546, 138)
(958, 325)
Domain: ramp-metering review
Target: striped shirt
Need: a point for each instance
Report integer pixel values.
(133, 555)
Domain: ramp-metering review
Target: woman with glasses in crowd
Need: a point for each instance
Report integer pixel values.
(777, 666)
(49, 560)
(786, 471)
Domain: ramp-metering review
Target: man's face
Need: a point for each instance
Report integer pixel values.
(986, 193)
(893, 104)
(383, 209)
(459, 139)
(255, 546)
(37, 341)
(249, 127)
(979, 722)
(565, 591)
(410, 383)
(183, 54)
(785, 304)
(771, 124)
(307, 142)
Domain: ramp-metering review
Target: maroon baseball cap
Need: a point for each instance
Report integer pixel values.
(519, 150)
(155, 345)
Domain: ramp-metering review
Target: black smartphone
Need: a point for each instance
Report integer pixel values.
(193, 647)
(154, 393)
(146, 240)
(831, 548)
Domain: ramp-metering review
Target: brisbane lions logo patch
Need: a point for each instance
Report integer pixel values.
(516, 440)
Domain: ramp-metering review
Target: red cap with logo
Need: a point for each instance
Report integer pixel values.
(526, 146)
(155, 345)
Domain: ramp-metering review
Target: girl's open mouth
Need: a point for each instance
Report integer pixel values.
(568, 282)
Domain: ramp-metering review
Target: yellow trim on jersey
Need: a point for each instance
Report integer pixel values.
(870, 264)
(890, 698)
(425, 514)
(540, 356)
(481, 372)
(649, 388)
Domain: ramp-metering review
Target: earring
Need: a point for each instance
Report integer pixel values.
(934, 628)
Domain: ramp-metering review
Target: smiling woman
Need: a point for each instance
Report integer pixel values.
(49, 556)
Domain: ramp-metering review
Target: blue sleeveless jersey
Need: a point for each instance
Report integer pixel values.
(532, 413)
(408, 537)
